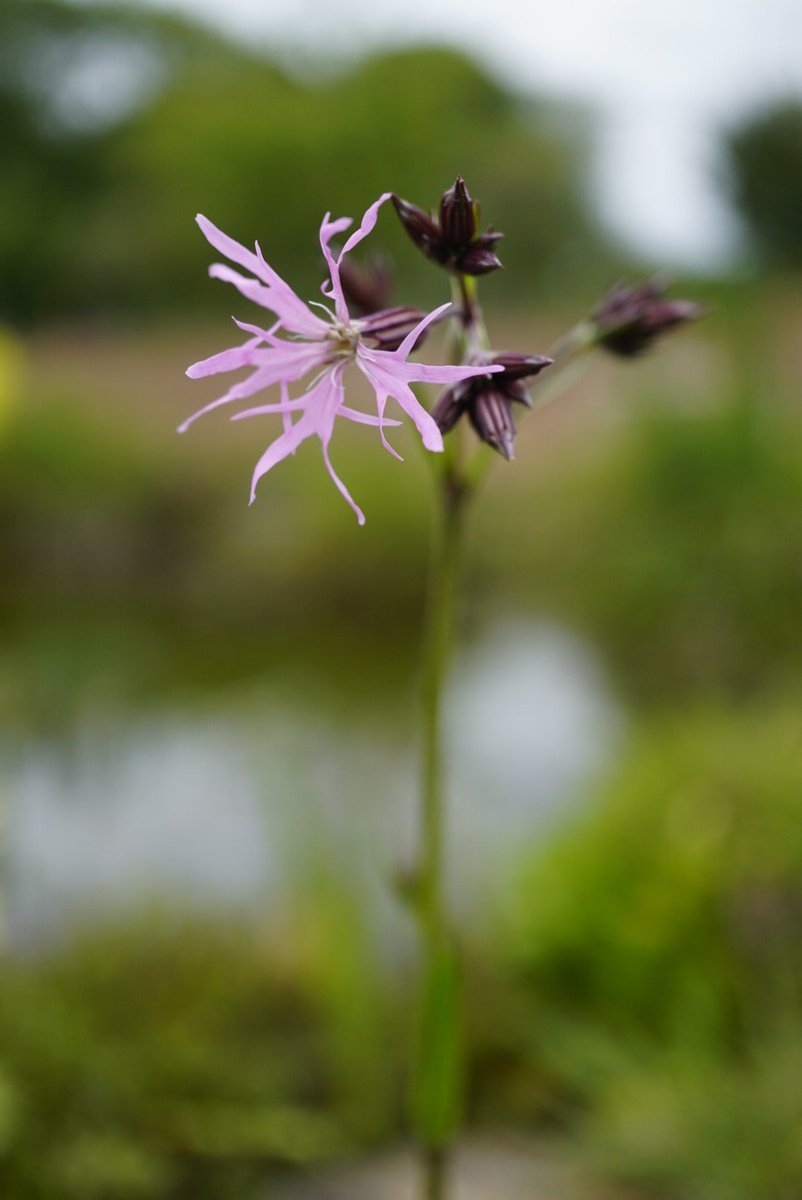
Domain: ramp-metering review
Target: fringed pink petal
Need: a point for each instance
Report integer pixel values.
(267, 335)
(381, 404)
(277, 406)
(290, 363)
(360, 418)
(284, 299)
(305, 320)
(286, 444)
(260, 293)
(385, 384)
(257, 382)
(422, 373)
(341, 488)
(331, 392)
(286, 412)
(234, 250)
(293, 314)
(226, 360)
(408, 344)
(328, 230)
(366, 226)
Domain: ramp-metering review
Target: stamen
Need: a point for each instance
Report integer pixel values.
(328, 311)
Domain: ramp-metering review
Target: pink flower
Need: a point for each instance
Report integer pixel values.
(321, 345)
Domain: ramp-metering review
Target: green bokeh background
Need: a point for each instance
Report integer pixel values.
(634, 986)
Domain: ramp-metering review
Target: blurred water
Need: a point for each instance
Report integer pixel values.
(231, 807)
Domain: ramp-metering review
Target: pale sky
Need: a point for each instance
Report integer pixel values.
(664, 78)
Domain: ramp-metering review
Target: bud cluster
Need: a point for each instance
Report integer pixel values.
(627, 321)
(453, 241)
(631, 317)
(488, 400)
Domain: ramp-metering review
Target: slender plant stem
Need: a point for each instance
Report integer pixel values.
(444, 568)
(439, 1078)
(438, 1084)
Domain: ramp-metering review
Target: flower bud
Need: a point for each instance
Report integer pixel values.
(459, 215)
(479, 260)
(491, 417)
(423, 229)
(452, 241)
(388, 328)
(631, 317)
(519, 366)
(450, 406)
(367, 289)
(488, 400)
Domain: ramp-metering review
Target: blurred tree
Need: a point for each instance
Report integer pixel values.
(336, 146)
(68, 76)
(118, 125)
(765, 157)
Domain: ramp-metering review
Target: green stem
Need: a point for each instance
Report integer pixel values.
(438, 1084)
(566, 353)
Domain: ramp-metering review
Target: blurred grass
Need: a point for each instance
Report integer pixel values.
(171, 1058)
(658, 941)
(655, 508)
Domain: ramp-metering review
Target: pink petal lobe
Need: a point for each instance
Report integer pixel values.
(328, 230)
(385, 383)
(414, 372)
(360, 418)
(231, 249)
(291, 311)
(409, 341)
(366, 226)
(331, 391)
(289, 363)
(278, 406)
(226, 360)
(341, 488)
(286, 444)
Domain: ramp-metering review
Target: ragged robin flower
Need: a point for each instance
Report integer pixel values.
(453, 241)
(318, 346)
(488, 401)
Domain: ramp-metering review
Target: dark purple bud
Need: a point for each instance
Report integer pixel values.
(490, 237)
(458, 215)
(491, 417)
(423, 229)
(520, 366)
(367, 289)
(478, 260)
(450, 406)
(388, 328)
(630, 318)
(516, 390)
(452, 242)
(488, 399)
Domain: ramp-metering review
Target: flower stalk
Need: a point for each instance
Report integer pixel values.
(438, 1083)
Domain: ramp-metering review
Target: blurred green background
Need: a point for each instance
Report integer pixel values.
(208, 711)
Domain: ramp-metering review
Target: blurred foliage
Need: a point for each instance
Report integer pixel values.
(682, 558)
(171, 1058)
(674, 544)
(765, 167)
(96, 205)
(660, 936)
(654, 1003)
(56, 136)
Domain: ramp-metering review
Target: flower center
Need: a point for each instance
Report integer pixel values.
(345, 339)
